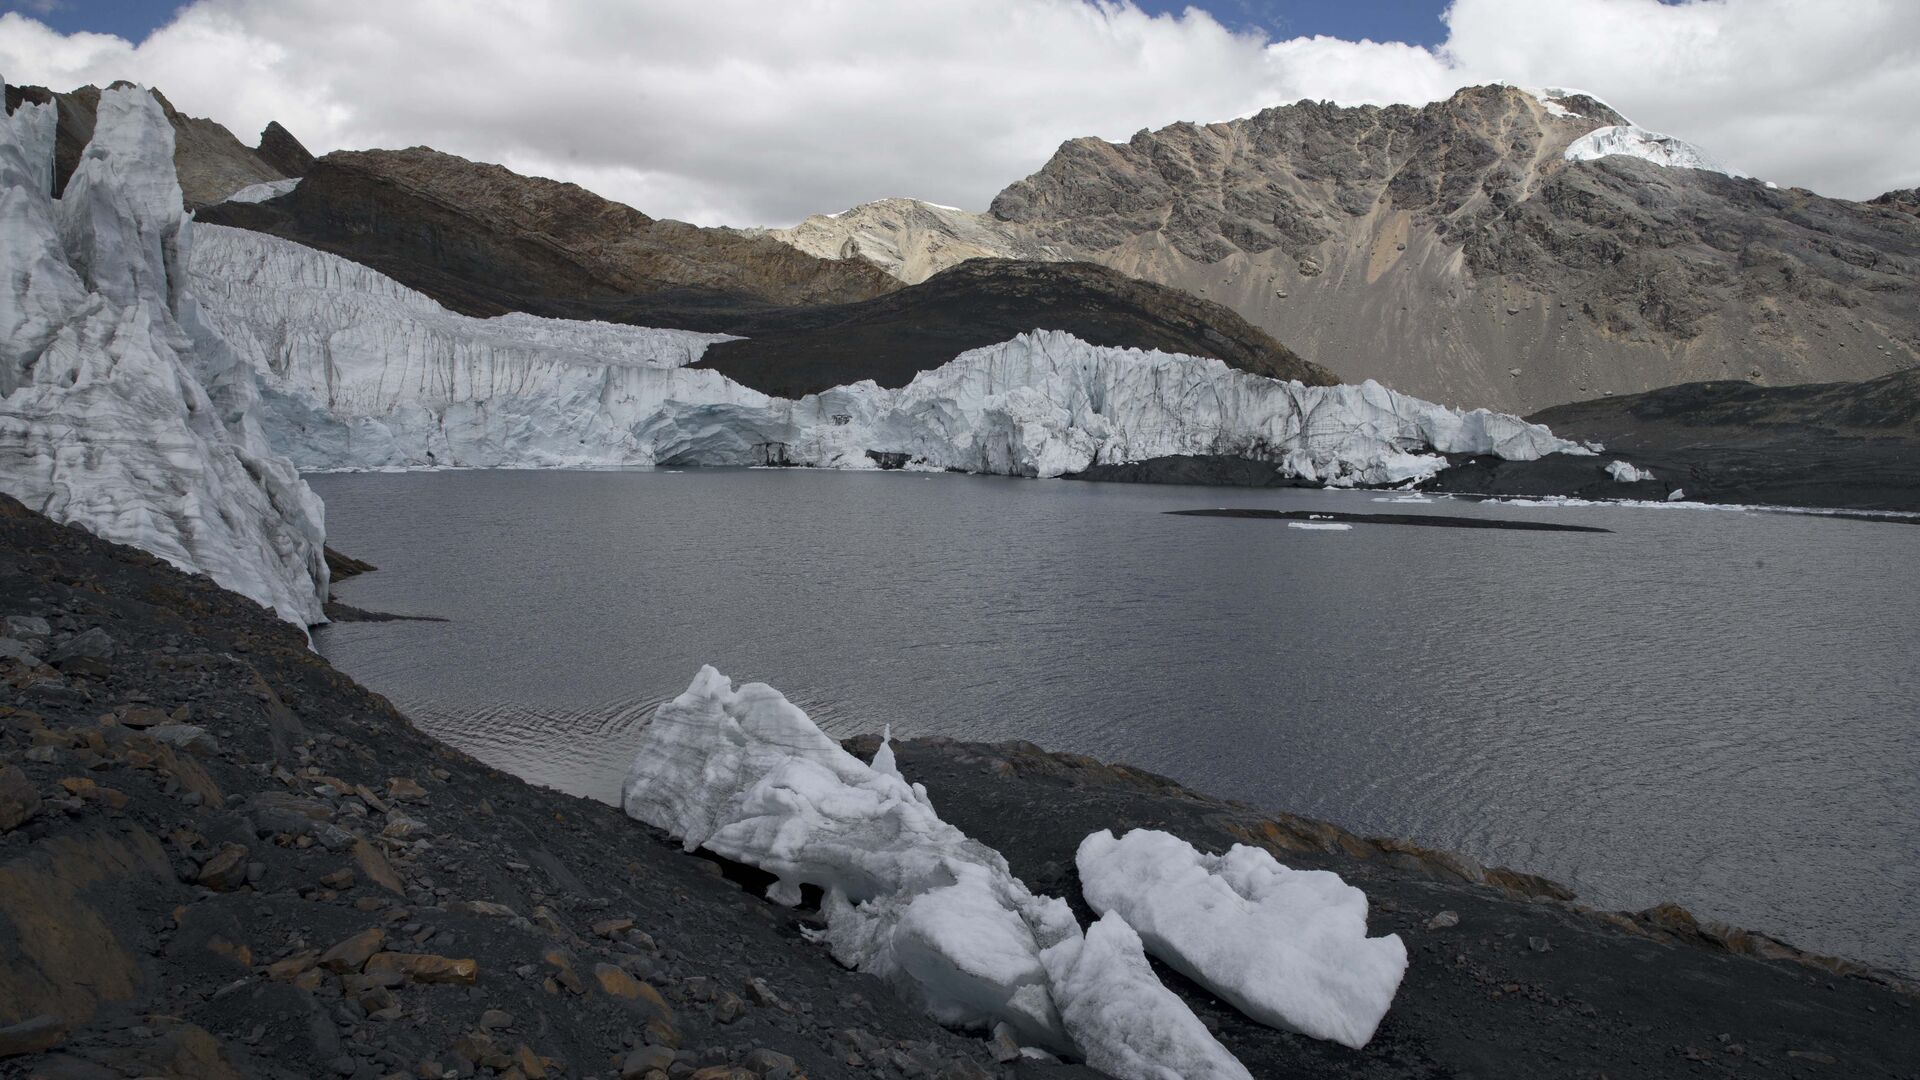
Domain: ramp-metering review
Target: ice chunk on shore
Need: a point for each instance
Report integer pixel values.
(1320, 526)
(1625, 473)
(1289, 948)
(745, 774)
(122, 410)
(1131, 1025)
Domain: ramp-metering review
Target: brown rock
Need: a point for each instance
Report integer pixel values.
(562, 964)
(226, 870)
(404, 788)
(18, 800)
(608, 928)
(376, 868)
(286, 968)
(529, 1062)
(353, 953)
(426, 968)
(32, 1036)
(647, 1059)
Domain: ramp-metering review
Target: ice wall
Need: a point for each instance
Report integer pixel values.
(123, 410)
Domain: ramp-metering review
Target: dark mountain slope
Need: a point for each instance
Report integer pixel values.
(980, 302)
(1834, 445)
(484, 240)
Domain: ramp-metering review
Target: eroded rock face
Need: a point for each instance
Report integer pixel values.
(281, 150)
(210, 162)
(484, 241)
(1453, 252)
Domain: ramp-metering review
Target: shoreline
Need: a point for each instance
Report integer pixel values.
(191, 892)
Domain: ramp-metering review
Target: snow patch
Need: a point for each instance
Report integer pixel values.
(1320, 526)
(259, 193)
(1289, 948)
(1630, 141)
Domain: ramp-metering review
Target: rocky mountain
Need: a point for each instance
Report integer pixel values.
(211, 163)
(910, 239)
(1507, 248)
(484, 241)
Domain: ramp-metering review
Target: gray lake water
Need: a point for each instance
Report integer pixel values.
(1713, 707)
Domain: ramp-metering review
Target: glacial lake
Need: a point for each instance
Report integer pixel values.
(1718, 708)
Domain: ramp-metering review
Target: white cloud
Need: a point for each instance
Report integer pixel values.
(741, 112)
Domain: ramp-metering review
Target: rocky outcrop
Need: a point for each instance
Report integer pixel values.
(911, 239)
(1906, 201)
(210, 162)
(279, 149)
(1839, 446)
(983, 302)
(485, 241)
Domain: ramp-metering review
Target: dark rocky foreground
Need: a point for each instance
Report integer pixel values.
(219, 857)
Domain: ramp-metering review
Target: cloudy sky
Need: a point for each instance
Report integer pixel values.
(742, 112)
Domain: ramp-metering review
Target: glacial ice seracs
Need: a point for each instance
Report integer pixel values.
(745, 774)
(123, 410)
(1289, 948)
(358, 371)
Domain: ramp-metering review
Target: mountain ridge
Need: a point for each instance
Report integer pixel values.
(1454, 252)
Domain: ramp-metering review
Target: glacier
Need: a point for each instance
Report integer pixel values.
(124, 411)
(358, 372)
(747, 775)
(1630, 141)
(1289, 948)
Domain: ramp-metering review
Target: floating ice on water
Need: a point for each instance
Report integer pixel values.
(1625, 473)
(1326, 526)
(1289, 948)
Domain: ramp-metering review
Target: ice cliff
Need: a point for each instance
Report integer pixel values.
(745, 774)
(358, 371)
(124, 412)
